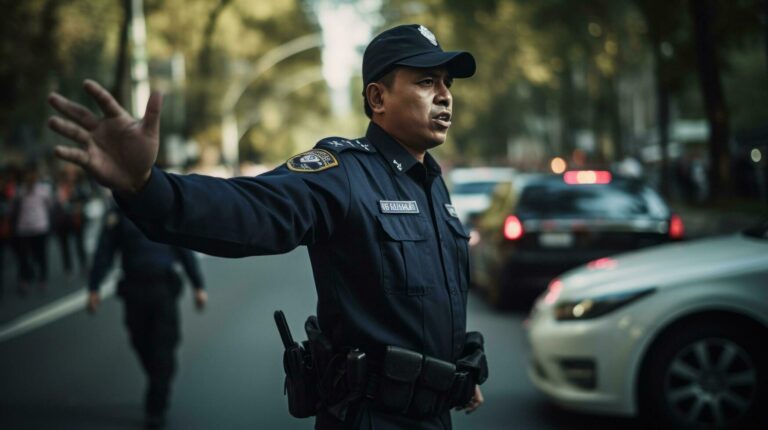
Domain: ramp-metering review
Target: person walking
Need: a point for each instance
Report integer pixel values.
(71, 196)
(388, 252)
(31, 215)
(149, 291)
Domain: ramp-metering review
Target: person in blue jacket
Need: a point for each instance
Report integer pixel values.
(388, 251)
(149, 289)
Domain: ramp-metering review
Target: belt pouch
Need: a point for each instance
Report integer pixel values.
(433, 389)
(463, 389)
(300, 383)
(401, 370)
(476, 364)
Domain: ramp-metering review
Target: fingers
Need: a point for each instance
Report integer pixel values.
(70, 130)
(151, 121)
(73, 155)
(106, 102)
(74, 111)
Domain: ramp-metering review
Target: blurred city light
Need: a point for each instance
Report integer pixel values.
(558, 165)
(587, 177)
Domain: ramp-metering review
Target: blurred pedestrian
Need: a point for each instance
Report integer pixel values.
(7, 191)
(72, 193)
(149, 290)
(31, 221)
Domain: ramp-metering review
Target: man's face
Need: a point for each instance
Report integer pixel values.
(418, 107)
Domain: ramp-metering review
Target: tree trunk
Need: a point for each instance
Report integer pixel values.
(702, 13)
(118, 85)
(662, 108)
(199, 98)
(567, 144)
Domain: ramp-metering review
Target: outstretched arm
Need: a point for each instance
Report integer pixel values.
(116, 149)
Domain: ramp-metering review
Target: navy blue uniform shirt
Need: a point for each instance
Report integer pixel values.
(140, 257)
(389, 256)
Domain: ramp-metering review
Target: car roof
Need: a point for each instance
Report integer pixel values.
(481, 174)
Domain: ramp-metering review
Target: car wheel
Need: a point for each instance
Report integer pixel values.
(704, 375)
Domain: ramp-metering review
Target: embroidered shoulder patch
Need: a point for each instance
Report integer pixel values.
(314, 160)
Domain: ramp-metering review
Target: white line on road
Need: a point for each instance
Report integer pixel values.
(53, 311)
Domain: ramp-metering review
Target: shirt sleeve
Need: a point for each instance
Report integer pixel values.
(271, 213)
(105, 251)
(191, 266)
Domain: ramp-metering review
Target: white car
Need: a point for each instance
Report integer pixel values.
(675, 334)
(471, 188)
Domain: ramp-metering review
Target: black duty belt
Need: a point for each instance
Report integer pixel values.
(404, 382)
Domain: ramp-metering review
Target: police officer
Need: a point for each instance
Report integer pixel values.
(388, 252)
(149, 290)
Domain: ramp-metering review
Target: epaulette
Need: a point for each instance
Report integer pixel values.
(340, 144)
(323, 155)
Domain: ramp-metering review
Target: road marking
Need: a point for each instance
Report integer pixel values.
(58, 309)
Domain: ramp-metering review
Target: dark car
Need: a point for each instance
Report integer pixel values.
(541, 225)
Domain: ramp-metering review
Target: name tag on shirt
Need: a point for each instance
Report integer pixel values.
(398, 207)
(451, 210)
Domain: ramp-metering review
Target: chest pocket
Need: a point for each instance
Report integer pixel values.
(461, 240)
(404, 254)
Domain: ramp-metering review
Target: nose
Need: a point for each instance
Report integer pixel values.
(443, 96)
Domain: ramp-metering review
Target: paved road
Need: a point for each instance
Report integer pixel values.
(78, 372)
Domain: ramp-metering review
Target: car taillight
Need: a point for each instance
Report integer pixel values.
(676, 227)
(513, 228)
(580, 177)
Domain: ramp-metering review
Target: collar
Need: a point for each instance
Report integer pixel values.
(396, 156)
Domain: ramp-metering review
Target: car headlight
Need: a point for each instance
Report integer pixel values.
(594, 307)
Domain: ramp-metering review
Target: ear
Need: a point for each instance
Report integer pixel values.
(374, 93)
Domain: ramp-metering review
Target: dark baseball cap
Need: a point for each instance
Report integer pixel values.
(412, 45)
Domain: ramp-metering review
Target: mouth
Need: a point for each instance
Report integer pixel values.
(443, 119)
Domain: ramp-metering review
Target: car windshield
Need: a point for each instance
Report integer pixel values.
(485, 187)
(619, 199)
(760, 231)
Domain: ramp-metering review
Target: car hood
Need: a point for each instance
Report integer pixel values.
(666, 264)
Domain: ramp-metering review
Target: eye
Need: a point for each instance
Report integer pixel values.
(448, 82)
(427, 82)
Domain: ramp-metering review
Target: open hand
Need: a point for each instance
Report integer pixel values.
(201, 299)
(93, 302)
(476, 401)
(117, 149)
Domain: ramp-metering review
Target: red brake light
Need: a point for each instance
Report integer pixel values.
(676, 227)
(574, 177)
(513, 228)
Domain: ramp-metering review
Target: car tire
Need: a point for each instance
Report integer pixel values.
(704, 375)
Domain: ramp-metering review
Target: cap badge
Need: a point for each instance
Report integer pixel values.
(428, 34)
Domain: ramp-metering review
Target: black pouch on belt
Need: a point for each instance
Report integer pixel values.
(400, 372)
(433, 390)
(300, 375)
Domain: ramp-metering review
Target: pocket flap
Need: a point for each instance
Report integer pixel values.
(457, 228)
(437, 374)
(401, 364)
(403, 227)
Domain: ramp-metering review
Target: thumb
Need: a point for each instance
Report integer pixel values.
(151, 121)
